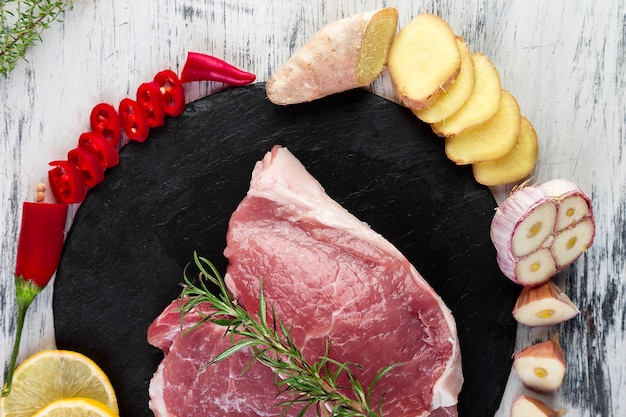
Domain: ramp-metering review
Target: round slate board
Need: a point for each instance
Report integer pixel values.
(173, 194)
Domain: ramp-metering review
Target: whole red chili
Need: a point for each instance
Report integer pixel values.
(172, 92)
(105, 120)
(149, 96)
(134, 120)
(39, 251)
(88, 165)
(66, 183)
(103, 149)
(202, 67)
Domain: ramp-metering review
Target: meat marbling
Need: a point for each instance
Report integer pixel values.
(184, 386)
(332, 278)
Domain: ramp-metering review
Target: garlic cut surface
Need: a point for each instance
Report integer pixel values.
(538, 230)
(543, 305)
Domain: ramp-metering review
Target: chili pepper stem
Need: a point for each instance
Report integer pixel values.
(26, 291)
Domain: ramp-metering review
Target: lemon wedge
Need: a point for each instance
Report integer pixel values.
(52, 375)
(75, 407)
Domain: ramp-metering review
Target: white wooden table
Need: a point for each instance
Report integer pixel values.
(563, 60)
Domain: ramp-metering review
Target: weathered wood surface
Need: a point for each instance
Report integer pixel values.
(563, 60)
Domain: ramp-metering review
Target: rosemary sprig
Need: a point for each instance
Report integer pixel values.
(21, 25)
(269, 339)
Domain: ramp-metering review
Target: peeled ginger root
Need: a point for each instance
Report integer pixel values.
(489, 140)
(454, 96)
(516, 165)
(424, 60)
(480, 105)
(345, 54)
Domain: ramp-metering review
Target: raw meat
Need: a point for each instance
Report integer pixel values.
(181, 387)
(333, 278)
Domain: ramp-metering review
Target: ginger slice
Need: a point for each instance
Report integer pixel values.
(481, 104)
(345, 54)
(424, 59)
(515, 165)
(489, 140)
(457, 94)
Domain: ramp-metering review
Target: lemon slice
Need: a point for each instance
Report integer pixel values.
(75, 407)
(52, 375)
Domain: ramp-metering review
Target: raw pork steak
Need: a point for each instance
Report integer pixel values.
(181, 387)
(334, 278)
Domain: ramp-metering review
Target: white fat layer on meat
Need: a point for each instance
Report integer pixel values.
(157, 400)
(299, 191)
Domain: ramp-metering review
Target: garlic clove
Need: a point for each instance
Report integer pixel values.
(534, 229)
(522, 222)
(574, 204)
(526, 406)
(541, 367)
(570, 243)
(543, 305)
(572, 209)
(535, 269)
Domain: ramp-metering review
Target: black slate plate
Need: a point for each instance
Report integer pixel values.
(173, 195)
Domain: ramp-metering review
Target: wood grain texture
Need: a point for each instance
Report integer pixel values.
(563, 60)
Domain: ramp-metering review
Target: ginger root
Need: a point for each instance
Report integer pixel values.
(480, 105)
(424, 60)
(454, 96)
(516, 165)
(345, 54)
(489, 140)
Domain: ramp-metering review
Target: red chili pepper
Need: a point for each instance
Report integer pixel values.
(103, 149)
(66, 183)
(149, 96)
(40, 242)
(39, 251)
(172, 91)
(88, 166)
(201, 67)
(105, 120)
(134, 120)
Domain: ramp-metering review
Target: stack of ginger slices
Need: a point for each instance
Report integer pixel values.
(459, 94)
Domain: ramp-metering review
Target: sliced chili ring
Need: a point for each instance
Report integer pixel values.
(88, 166)
(149, 96)
(134, 120)
(103, 149)
(66, 183)
(172, 92)
(105, 120)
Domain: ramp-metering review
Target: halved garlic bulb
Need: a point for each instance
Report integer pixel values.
(539, 230)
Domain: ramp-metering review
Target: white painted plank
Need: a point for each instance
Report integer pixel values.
(564, 62)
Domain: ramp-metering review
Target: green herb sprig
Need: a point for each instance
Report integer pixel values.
(21, 26)
(313, 385)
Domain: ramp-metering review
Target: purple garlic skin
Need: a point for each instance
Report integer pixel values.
(540, 229)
